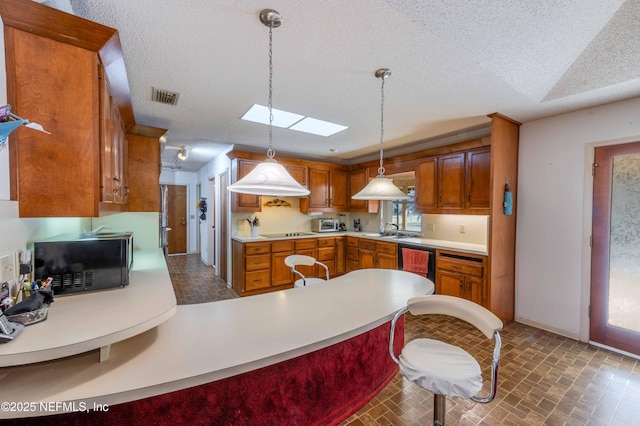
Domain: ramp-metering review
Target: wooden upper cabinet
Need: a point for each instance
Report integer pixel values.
(299, 173)
(454, 183)
(426, 184)
(58, 71)
(451, 181)
(244, 202)
(478, 178)
(57, 174)
(358, 179)
(143, 170)
(328, 191)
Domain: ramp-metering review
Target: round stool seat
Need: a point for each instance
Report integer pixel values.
(441, 368)
(309, 281)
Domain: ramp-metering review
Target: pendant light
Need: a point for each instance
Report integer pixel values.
(269, 177)
(381, 187)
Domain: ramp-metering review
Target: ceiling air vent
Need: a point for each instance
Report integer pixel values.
(165, 96)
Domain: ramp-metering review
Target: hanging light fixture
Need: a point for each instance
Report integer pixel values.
(381, 187)
(183, 153)
(269, 177)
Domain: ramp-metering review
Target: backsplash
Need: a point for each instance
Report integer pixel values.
(449, 226)
(289, 219)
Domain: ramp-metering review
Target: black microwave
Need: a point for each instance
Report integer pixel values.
(84, 262)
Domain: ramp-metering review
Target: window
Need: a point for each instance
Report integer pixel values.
(404, 213)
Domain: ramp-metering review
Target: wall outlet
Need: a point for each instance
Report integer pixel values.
(463, 229)
(431, 226)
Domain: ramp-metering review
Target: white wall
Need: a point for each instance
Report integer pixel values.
(554, 212)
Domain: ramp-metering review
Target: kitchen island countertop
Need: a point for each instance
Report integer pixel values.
(206, 342)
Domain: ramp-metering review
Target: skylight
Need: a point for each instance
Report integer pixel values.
(288, 120)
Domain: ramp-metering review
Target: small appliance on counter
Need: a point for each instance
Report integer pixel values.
(324, 225)
(357, 227)
(342, 226)
(84, 262)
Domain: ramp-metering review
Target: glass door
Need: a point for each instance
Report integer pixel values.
(615, 256)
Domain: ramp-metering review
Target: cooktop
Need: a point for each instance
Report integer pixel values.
(287, 234)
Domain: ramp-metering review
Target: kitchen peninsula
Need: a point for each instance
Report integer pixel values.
(318, 353)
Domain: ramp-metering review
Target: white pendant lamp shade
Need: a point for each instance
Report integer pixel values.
(381, 188)
(269, 178)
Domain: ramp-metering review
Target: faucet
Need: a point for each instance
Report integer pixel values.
(397, 228)
(99, 228)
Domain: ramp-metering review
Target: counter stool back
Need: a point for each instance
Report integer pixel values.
(301, 260)
(444, 369)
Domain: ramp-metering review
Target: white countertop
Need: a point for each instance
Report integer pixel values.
(424, 242)
(211, 341)
(79, 323)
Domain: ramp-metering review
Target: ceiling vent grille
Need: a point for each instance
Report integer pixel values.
(165, 96)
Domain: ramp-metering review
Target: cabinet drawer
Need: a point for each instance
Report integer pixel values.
(352, 253)
(257, 280)
(309, 243)
(462, 266)
(280, 246)
(326, 254)
(387, 248)
(368, 244)
(257, 248)
(326, 242)
(352, 242)
(255, 263)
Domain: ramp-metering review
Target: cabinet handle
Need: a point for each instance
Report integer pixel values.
(468, 198)
(456, 266)
(461, 283)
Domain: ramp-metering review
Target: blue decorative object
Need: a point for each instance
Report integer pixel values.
(5, 130)
(508, 199)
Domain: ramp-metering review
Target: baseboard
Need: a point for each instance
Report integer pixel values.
(546, 327)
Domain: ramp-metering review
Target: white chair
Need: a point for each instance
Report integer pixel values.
(444, 369)
(300, 260)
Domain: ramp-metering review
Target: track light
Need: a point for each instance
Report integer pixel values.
(183, 153)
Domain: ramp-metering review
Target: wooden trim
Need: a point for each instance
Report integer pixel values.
(151, 132)
(502, 228)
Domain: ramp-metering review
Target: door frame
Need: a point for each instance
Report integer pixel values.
(587, 224)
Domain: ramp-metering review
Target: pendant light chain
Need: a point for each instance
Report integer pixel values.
(270, 152)
(381, 168)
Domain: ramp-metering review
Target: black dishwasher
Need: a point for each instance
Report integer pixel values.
(431, 265)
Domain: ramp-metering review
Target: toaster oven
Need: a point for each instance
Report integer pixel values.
(324, 225)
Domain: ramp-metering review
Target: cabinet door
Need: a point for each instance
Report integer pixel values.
(451, 173)
(474, 290)
(319, 187)
(386, 261)
(367, 259)
(338, 190)
(478, 178)
(341, 256)
(245, 202)
(143, 173)
(280, 273)
(426, 184)
(299, 173)
(358, 179)
(106, 140)
(450, 283)
(117, 152)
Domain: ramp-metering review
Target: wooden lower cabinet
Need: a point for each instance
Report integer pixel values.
(352, 254)
(280, 273)
(377, 254)
(461, 275)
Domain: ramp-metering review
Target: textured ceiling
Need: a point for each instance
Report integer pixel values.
(453, 63)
